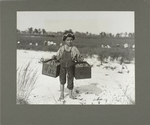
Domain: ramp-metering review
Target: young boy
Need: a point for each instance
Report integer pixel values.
(67, 55)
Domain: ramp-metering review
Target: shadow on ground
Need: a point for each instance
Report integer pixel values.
(86, 89)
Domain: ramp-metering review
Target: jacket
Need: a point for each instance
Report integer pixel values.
(75, 54)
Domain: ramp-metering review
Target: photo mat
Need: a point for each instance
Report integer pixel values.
(137, 114)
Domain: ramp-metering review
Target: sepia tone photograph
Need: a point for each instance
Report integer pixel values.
(75, 58)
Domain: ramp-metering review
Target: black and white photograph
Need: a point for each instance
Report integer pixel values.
(75, 58)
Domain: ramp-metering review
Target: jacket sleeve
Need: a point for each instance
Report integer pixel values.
(59, 53)
(75, 54)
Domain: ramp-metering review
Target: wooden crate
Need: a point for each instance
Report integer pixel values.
(82, 70)
(51, 69)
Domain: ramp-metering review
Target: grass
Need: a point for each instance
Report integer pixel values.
(127, 98)
(26, 80)
(80, 42)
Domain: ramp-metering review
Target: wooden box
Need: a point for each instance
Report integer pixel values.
(51, 68)
(82, 70)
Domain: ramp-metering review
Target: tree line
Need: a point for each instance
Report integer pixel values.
(39, 31)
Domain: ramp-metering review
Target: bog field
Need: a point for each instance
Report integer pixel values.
(88, 45)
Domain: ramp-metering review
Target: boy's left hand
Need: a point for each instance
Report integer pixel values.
(81, 59)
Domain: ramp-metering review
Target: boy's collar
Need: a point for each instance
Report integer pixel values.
(68, 46)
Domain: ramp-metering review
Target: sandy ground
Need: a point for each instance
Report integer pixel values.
(106, 87)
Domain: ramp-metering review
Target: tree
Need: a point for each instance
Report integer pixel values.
(35, 31)
(77, 33)
(120, 34)
(117, 35)
(43, 31)
(39, 31)
(70, 30)
(103, 34)
(87, 33)
(130, 35)
(125, 34)
(30, 30)
(110, 35)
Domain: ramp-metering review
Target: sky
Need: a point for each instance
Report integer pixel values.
(93, 22)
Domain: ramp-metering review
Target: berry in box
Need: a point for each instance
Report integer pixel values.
(82, 70)
(51, 68)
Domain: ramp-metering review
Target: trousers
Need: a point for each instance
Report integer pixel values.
(69, 73)
(67, 69)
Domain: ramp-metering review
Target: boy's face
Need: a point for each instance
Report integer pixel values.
(68, 41)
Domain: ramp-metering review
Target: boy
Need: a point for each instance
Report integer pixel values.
(67, 55)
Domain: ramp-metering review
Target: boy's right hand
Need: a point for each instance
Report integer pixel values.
(54, 57)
